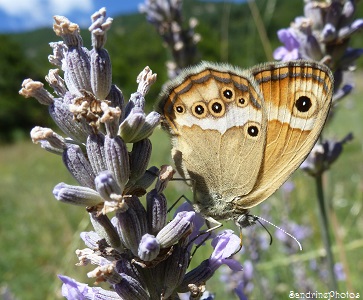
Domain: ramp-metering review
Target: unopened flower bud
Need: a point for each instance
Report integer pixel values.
(176, 229)
(76, 195)
(79, 166)
(149, 247)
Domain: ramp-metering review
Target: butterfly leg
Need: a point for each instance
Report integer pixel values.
(212, 224)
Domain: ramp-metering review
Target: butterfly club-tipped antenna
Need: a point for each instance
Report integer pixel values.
(259, 219)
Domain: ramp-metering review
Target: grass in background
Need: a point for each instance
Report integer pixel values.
(39, 235)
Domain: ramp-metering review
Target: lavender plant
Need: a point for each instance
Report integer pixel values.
(137, 252)
(181, 40)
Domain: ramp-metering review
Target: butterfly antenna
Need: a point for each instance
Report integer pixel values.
(284, 231)
(269, 233)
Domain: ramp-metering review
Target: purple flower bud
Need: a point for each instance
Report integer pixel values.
(357, 24)
(139, 159)
(329, 33)
(124, 265)
(129, 228)
(117, 159)
(48, 139)
(130, 127)
(175, 267)
(104, 228)
(198, 275)
(149, 247)
(79, 166)
(62, 116)
(315, 13)
(152, 120)
(135, 203)
(312, 48)
(198, 222)
(130, 289)
(106, 185)
(76, 195)
(101, 72)
(176, 229)
(77, 60)
(145, 181)
(116, 98)
(156, 211)
(96, 152)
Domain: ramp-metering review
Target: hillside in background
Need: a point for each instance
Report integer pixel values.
(228, 32)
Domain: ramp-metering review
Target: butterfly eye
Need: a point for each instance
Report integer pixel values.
(303, 104)
(216, 108)
(199, 110)
(227, 94)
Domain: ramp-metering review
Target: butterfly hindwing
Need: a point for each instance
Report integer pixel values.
(297, 98)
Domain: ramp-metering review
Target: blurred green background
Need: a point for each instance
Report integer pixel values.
(39, 236)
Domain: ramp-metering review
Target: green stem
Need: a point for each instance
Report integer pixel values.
(325, 231)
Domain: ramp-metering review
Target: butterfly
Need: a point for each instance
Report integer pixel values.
(239, 134)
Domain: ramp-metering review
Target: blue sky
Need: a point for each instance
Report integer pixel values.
(24, 15)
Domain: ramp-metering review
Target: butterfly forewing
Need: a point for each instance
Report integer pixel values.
(218, 131)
